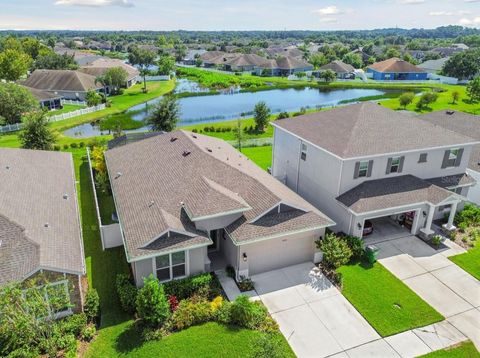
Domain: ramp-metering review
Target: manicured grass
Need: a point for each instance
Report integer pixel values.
(463, 350)
(208, 340)
(262, 156)
(469, 261)
(106, 206)
(66, 108)
(444, 101)
(385, 301)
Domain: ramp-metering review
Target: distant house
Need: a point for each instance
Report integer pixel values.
(40, 234)
(191, 57)
(433, 66)
(68, 84)
(80, 57)
(450, 50)
(342, 70)
(468, 125)
(46, 99)
(395, 69)
(99, 66)
(224, 211)
(286, 66)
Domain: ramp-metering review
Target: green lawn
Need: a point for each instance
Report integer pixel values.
(469, 261)
(106, 206)
(262, 156)
(462, 350)
(66, 108)
(385, 301)
(208, 340)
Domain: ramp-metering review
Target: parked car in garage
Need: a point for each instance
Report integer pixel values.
(367, 228)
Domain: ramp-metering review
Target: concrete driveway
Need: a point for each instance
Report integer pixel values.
(312, 314)
(442, 284)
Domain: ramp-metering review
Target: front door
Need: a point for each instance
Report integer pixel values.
(214, 236)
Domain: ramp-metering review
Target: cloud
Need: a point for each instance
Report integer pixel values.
(466, 22)
(412, 2)
(472, 0)
(329, 10)
(95, 3)
(441, 13)
(328, 19)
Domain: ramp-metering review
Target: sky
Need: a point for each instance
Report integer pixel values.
(235, 15)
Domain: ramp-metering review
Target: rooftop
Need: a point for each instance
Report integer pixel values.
(365, 129)
(395, 65)
(61, 80)
(38, 207)
(194, 178)
(338, 67)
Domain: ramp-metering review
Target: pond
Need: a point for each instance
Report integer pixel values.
(216, 108)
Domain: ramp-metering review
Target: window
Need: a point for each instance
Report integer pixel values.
(363, 169)
(303, 155)
(395, 165)
(423, 158)
(171, 266)
(452, 157)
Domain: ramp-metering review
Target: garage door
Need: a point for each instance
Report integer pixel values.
(277, 253)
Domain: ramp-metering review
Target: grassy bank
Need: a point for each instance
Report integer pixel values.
(463, 350)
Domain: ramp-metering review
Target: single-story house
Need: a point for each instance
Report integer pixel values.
(468, 125)
(189, 203)
(395, 69)
(342, 70)
(68, 84)
(190, 58)
(433, 66)
(40, 233)
(286, 66)
(99, 66)
(46, 99)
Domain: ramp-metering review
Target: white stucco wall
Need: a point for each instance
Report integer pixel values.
(197, 259)
(474, 192)
(229, 250)
(217, 223)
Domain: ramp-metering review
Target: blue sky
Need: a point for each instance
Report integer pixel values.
(235, 15)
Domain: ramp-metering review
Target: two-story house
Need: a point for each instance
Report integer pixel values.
(188, 204)
(365, 165)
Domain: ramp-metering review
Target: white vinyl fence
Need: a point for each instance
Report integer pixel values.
(73, 103)
(155, 78)
(56, 118)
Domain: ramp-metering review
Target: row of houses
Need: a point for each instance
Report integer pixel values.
(188, 203)
(238, 62)
(51, 86)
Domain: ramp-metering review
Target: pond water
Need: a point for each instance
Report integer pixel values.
(215, 108)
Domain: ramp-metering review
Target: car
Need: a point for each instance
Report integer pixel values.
(367, 228)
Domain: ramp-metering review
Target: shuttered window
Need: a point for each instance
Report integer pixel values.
(363, 169)
(452, 158)
(395, 165)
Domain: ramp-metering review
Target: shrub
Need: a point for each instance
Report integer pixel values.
(246, 313)
(154, 334)
(66, 146)
(173, 302)
(462, 226)
(356, 245)
(56, 148)
(152, 305)
(216, 303)
(127, 293)
(436, 240)
(73, 324)
(267, 346)
(194, 130)
(73, 145)
(81, 144)
(187, 287)
(335, 250)
(92, 304)
(245, 284)
(191, 313)
(470, 215)
(88, 332)
(283, 115)
(223, 314)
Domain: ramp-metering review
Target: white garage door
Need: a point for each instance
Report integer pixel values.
(277, 253)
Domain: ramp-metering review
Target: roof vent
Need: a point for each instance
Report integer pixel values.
(194, 136)
(209, 150)
(151, 203)
(7, 167)
(65, 196)
(450, 112)
(186, 153)
(173, 139)
(46, 225)
(119, 174)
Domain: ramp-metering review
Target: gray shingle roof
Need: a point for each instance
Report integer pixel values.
(338, 66)
(379, 194)
(204, 174)
(32, 191)
(366, 129)
(99, 66)
(462, 123)
(61, 80)
(452, 181)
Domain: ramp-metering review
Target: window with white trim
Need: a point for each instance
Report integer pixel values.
(171, 266)
(363, 169)
(395, 165)
(452, 157)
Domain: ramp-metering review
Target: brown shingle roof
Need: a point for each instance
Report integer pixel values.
(61, 80)
(38, 193)
(367, 128)
(338, 67)
(395, 65)
(99, 66)
(42, 95)
(380, 194)
(183, 172)
(288, 63)
(462, 123)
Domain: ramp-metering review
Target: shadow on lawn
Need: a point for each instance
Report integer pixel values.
(129, 339)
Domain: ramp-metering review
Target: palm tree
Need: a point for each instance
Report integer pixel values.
(104, 81)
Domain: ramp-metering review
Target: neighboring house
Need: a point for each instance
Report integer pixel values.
(433, 66)
(81, 58)
(46, 99)
(395, 69)
(366, 162)
(341, 69)
(68, 84)
(40, 234)
(286, 66)
(451, 50)
(190, 58)
(468, 125)
(99, 66)
(189, 203)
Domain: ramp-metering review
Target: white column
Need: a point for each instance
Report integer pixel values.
(427, 230)
(453, 210)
